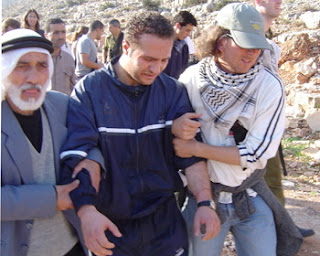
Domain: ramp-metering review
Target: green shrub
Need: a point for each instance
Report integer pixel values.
(293, 149)
(71, 3)
(151, 4)
(222, 3)
(106, 5)
(190, 3)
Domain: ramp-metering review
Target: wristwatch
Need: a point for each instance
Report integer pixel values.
(209, 203)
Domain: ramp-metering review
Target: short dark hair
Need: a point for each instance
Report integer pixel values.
(9, 22)
(207, 43)
(95, 25)
(115, 23)
(53, 21)
(147, 23)
(184, 18)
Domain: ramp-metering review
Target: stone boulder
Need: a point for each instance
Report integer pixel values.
(209, 6)
(297, 48)
(313, 119)
(311, 19)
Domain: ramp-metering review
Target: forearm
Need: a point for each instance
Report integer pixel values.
(85, 208)
(199, 181)
(95, 155)
(27, 202)
(224, 154)
(91, 64)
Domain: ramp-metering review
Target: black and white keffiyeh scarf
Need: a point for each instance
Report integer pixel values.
(226, 96)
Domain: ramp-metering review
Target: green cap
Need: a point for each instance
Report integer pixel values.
(246, 25)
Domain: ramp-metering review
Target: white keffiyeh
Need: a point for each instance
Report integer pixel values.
(226, 96)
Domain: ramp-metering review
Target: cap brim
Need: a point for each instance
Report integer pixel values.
(250, 40)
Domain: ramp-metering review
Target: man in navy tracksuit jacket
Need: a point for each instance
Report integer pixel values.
(126, 109)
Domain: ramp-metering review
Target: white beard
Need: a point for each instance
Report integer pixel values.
(13, 92)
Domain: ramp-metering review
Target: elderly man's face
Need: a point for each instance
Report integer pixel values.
(25, 87)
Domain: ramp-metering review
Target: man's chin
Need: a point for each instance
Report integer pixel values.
(147, 84)
(29, 105)
(148, 81)
(17, 97)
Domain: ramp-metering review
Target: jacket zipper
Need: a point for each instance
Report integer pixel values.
(136, 94)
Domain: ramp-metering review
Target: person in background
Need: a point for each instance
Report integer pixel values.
(183, 24)
(82, 30)
(127, 108)
(63, 78)
(113, 43)
(31, 20)
(190, 44)
(241, 109)
(86, 52)
(192, 51)
(270, 10)
(10, 24)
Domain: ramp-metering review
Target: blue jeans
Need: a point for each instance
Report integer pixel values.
(253, 236)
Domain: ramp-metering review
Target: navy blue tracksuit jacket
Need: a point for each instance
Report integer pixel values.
(132, 128)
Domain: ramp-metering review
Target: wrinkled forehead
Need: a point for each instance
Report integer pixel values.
(33, 58)
(57, 27)
(10, 59)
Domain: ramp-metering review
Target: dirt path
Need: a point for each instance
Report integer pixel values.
(304, 208)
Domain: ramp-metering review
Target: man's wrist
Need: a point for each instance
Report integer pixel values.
(197, 149)
(85, 208)
(203, 195)
(208, 203)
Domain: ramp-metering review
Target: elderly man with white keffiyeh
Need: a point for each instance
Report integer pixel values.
(240, 106)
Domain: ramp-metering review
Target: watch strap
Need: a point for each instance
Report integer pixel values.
(209, 203)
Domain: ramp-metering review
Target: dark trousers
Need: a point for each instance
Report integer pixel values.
(77, 250)
(161, 233)
(273, 177)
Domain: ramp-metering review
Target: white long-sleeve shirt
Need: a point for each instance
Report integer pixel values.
(265, 124)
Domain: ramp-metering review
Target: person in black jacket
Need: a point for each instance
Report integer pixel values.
(183, 23)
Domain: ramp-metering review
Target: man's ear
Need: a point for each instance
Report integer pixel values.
(125, 46)
(177, 26)
(221, 43)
